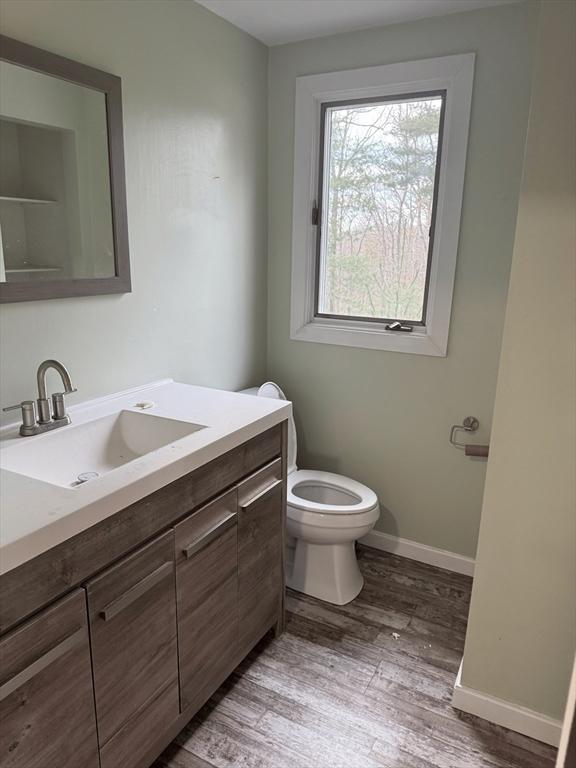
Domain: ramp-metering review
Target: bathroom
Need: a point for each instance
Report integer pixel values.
(441, 631)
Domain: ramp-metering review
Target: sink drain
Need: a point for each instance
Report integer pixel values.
(83, 477)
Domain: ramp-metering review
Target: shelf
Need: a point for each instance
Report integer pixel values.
(25, 200)
(15, 270)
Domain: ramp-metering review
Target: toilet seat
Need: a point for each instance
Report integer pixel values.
(342, 495)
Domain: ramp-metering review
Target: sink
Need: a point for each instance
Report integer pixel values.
(72, 455)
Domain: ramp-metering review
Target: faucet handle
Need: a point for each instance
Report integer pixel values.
(58, 406)
(28, 408)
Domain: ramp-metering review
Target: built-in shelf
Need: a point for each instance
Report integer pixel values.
(31, 268)
(24, 200)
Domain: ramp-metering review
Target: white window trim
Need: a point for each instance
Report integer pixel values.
(454, 74)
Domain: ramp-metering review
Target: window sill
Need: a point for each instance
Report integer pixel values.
(366, 336)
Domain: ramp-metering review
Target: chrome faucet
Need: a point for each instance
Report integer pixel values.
(47, 419)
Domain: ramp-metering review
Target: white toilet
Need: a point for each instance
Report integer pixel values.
(326, 514)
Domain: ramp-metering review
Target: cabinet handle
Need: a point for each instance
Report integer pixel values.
(211, 534)
(42, 663)
(262, 493)
(139, 589)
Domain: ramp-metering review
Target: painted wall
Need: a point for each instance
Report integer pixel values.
(194, 98)
(522, 630)
(384, 417)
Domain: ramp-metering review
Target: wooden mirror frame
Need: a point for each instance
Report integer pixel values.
(30, 57)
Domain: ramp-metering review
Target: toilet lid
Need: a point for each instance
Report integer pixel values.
(269, 389)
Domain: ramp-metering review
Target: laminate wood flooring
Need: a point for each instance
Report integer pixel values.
(365, 685)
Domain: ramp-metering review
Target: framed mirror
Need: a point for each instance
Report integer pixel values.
(63, 224)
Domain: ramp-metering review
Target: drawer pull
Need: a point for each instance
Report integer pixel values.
(135, 592)
(262, 493)
(42, 663)
(211, 534)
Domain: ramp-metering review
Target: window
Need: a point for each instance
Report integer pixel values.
(378, 177)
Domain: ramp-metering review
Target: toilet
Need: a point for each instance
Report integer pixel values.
(326, 515)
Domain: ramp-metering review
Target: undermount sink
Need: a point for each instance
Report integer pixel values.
(75, 454)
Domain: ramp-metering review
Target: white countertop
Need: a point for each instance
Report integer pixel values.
(36, 516)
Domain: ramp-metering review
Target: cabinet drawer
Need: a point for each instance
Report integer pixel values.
(260, 541)
(46, 695)
(207, 596)
(132, 613)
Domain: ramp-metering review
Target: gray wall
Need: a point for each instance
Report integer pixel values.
(522, 629)
(194, 97)
(384, 417)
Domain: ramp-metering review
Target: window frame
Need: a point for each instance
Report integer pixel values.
(451, 76)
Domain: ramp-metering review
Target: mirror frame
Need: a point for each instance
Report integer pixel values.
(37, 59)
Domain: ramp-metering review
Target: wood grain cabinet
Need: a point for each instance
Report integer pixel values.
(207, 598)
(132, 614)
(47, 715)
(147, 615)
(260, 556)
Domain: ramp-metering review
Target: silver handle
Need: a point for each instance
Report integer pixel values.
(135, 592)
(258, 496)
(28, 408)
(42, 663)
(212, 533)
(58, 407)
(58, 404)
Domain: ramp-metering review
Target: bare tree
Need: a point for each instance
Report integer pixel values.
(381, 186)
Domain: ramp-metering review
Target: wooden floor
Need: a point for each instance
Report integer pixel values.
(362, 686)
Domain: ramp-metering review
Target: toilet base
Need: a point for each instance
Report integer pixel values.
(329, 572)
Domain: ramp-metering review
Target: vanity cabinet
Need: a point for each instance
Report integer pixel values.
(163, 600)
(132, 614)
(46, 698)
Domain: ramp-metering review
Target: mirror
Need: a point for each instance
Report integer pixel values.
(63, 228)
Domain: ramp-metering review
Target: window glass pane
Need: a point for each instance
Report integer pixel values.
(380, 164)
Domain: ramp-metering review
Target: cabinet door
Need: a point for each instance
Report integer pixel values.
(207, 593)
(132, 612)
(46, 695)
(260, 555)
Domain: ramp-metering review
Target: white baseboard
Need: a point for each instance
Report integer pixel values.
(506, 714)
(441, 558)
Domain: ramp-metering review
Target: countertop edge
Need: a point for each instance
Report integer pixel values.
(22, 550)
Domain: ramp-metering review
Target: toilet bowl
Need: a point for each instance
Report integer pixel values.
(326, 515)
